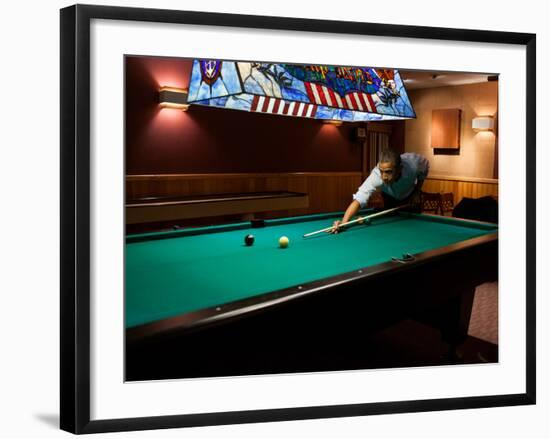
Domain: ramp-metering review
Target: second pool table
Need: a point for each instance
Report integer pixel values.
(202, 293)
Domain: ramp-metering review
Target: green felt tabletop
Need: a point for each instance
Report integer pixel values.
(178, 272)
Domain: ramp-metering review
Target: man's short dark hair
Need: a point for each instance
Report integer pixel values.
(388, 155)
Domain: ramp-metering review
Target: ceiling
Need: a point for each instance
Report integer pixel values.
(415, 79)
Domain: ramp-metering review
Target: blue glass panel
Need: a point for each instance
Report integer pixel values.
(324, 113)
(295, 94)
(216, 102)
(194, 83)
(203, 91)
(242, 101)
(211, 79)
(230, 77)
(218, 89)
(406, 106)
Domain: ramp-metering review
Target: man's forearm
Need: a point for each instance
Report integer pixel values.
(352, 209)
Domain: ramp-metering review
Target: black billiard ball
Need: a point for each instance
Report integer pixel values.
(249, 240)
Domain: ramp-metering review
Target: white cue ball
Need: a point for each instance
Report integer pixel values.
(283, 242)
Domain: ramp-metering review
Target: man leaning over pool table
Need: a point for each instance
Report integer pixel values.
(398, 177)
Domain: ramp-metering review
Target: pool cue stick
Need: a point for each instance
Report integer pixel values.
(363, 218)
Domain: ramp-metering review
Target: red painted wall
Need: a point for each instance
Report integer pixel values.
(217, 140)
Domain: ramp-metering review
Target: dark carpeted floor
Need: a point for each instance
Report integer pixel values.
(411, 343)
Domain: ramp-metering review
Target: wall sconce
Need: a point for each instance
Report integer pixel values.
(483, 123)
(334, 122)
(170, 97)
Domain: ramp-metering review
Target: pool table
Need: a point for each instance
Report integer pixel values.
(200, 302)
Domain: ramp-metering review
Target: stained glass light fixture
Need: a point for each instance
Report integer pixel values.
(349, 94)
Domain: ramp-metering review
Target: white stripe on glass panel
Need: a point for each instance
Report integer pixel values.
(270, 105)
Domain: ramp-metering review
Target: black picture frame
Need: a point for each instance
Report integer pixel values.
(75, 217)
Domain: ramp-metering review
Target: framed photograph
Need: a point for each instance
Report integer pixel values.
(268, 219)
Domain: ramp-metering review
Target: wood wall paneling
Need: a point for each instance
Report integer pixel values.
(462, 187)
(328, 191)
